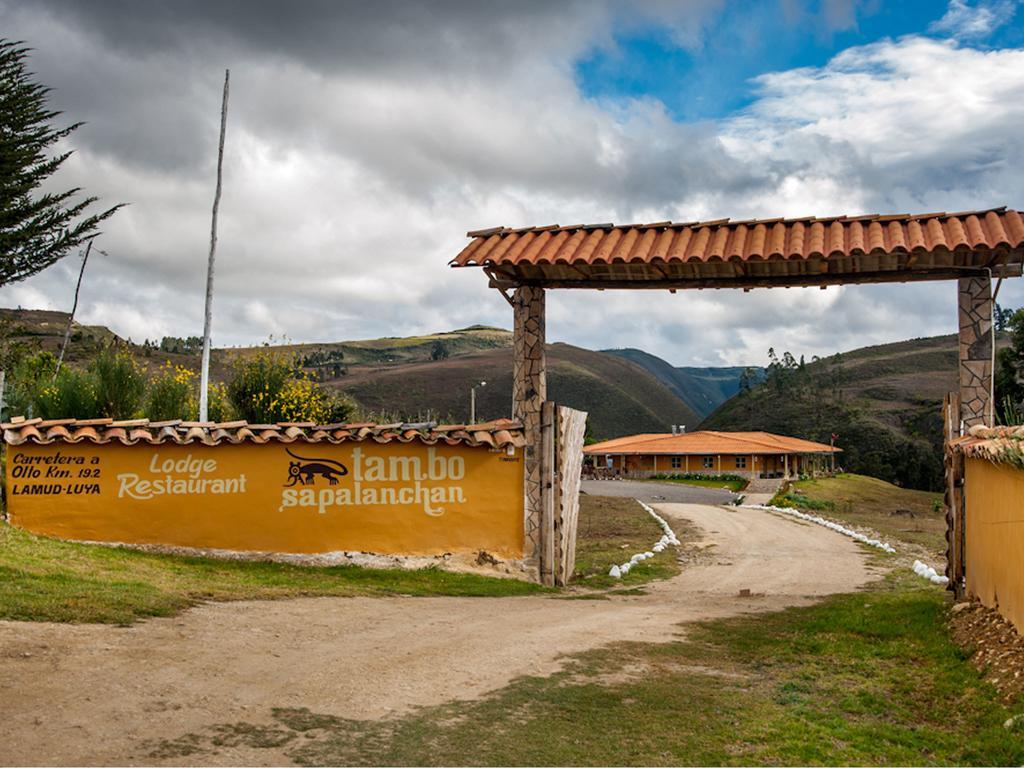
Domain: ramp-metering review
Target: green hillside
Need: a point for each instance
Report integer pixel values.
(884, 402)
(702, 389)
(620, 397)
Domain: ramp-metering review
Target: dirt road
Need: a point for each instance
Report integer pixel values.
(97, 695)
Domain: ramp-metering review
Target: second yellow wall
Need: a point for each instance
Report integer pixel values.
(994, 537)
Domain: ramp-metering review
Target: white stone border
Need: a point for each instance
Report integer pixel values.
(827, 523)
(927, 572)
(921, 569)
(618, 571)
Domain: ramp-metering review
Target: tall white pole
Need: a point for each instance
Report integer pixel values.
(74, 308)
(204, 382)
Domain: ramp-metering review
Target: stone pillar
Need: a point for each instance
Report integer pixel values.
(529, 391)
(975, 312)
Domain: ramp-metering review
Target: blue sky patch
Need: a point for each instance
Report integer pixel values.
(748, 39)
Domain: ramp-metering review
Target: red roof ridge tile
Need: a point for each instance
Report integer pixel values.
(719, 240)
(499, 433)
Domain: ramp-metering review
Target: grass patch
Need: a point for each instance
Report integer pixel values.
(610, 531)
(869, 678)
(898, 514)
(733, 483)
(43, 579)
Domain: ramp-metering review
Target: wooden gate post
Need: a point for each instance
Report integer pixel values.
(974, 310)
(529, 391)
(953, 497)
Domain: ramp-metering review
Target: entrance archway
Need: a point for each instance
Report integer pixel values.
(972, 248)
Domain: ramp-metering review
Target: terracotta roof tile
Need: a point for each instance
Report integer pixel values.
(997, 444)
(502, 433)
(708, 443)
(832, 239)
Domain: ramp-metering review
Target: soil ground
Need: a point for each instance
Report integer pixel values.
(87, 694)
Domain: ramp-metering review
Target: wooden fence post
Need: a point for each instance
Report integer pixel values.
(953, 462)
(572, 426)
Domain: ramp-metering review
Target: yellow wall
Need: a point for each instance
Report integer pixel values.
(245, 497)
(994, 536)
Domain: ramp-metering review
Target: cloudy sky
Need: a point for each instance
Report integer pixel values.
(365, 139)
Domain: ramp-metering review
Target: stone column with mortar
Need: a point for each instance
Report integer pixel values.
(529, 383)
(975, 362)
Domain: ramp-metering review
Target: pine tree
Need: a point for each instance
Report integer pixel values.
(36, 228)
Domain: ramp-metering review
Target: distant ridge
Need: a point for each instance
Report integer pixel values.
(702, 389)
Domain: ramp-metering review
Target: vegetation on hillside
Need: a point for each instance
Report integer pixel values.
(882, 402)
(619, 397)
(1010, 372)
(702, 389)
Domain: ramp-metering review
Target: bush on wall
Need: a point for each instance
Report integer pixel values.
(119, 382)
(171, 394)
(263, 388)
(268, 387)
(71, 395)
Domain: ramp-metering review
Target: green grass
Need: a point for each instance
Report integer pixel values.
(610, 531)
(869, 678)
(731, 483)
(875, 504)
(43, 579)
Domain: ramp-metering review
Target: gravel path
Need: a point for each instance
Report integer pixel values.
(91, 694)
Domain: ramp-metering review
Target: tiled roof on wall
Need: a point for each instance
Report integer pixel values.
(502, 433)
(751, 240)
(997, 444)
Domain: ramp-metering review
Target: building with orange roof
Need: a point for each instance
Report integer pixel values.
(749, 454)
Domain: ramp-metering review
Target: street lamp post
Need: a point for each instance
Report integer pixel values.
(472, 401)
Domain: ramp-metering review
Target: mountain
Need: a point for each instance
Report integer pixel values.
(621, 397)
(702, 389)
(884, 402)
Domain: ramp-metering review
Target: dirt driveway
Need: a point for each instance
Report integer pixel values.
(96, 694)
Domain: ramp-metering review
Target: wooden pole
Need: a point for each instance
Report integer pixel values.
(204, 384)
(74, 306)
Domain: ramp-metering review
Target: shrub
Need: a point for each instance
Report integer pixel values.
(266, 387)
(120, 385)
(218, 404)
(255, 383)
(28, 376)
(72, 395)
(172, 394)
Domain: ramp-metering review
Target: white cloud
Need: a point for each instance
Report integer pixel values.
(356, 161)
(965, 21)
